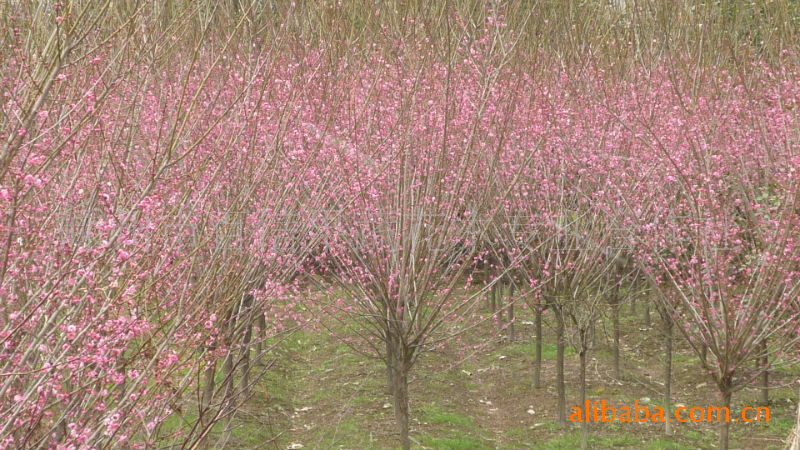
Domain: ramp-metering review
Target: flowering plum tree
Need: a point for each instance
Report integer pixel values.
(721, 240)
(405, 234)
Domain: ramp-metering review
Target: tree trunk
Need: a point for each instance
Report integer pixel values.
(389, 368)
(763, 361)
(400, 393)
(208, 390)
(584, 403)
(724, 425)
(228, 402)
(261, 323)
(615, 315)
(647, 321)
(560, 387)
(493, 298)
(667, 375)
(633, 305)
(499, 299)
(794, 438)
(247, 304)
(537, 363)
(511, 313)
(246, 360)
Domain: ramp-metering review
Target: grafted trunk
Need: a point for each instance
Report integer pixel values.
(493, 298)
(389, 368)
(615, 318)
(228, 367)
(247, 307)
(724, 425)
(246, 360)
(537, 363)
(228, 401)
(208, 389)
(560, 386)
(261, 323)
(400, 394)
(584, 403)
(499, 303)
(511, 313)
(667, 374)
(763, 362)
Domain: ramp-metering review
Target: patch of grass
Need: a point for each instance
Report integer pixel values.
(279, 390)
(517, 433)
(686, 359)
(551, 427)
(252, 435)
(569, 441)
(361, 401)
(663, 444)
(618, 441)
(780, 426)
(453, 443)
(321, 395)
(705, 439)
(572, 441)
(438, 415)
(349, 433)
(549, 351)
(343, 350)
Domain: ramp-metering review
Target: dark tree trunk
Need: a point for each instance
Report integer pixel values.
(511, 313)
(389, 368)
(261, 323)
(228, 401)
(724, 425)
(537, 363)
(246, 359)
(763, 361)
(227, 377)
(228, 366)
(400, 393)
(500, 312)
(560, 386)
(247, 307)
(493, 298)
(584, 404)
(208, 389)
(615, 315)
(667, 374)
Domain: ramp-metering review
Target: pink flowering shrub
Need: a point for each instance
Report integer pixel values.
(159, 220)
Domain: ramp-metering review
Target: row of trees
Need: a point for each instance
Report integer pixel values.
(174, 204)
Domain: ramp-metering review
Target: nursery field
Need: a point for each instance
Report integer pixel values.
(399, 224)
(318, 394)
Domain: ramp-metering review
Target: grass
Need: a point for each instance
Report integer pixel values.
(664, 444)
(437, 415)
(453, 443)
(572, 441)
(549, 351)
(780, 426)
